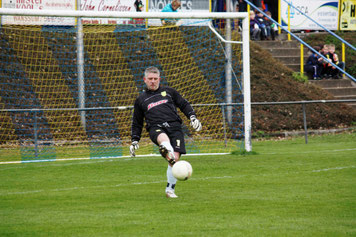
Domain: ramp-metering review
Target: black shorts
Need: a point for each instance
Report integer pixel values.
(175, 135)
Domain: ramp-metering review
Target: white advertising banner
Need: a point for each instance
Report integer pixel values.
(107, 5)
(324, 12)
(95, 5)
(38, 5)
(186, 6)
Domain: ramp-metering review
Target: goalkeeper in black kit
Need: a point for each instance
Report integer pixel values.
(157, 105)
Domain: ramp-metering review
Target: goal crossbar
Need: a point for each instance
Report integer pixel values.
(110, 14)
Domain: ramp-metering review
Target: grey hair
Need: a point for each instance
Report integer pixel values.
(152, 70)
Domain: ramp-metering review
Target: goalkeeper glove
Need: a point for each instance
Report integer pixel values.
(195, 123)
(134, 146)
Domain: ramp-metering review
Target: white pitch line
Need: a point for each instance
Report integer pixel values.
(335, 168)
(109, 157)
(306, 152)
(110, 186)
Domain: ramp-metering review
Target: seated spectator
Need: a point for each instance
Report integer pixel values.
(171, 7)
(314, 64)
(272, 29)
(326, 71)
(334, 72)
(254, 27)
(261, 23)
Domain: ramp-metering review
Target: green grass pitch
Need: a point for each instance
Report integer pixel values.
(283, 188)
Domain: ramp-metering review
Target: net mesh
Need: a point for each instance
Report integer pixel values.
(39, 93)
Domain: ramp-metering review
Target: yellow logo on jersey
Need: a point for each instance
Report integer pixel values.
(163, 93)
(158, 130)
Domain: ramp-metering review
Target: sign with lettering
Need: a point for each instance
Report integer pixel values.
(324, 12)
(107, 6)
(347, 19)
(38, 5)
(96, 5)
(186, 6)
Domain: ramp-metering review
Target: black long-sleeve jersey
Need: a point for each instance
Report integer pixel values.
(158, 108)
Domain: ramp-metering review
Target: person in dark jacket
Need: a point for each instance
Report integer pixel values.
(261, 23)
(272, 29)
(138, 5)
(157, 106)
(314, 64)
(255, 30)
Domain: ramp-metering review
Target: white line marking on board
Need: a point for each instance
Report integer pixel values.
(109, 186)
(335, 168)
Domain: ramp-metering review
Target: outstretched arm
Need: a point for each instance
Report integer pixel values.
(136, 127)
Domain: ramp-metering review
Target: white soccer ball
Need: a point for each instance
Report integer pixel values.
(182, 170)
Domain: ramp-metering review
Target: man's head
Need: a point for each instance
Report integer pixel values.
(176, 4)
(152, 78)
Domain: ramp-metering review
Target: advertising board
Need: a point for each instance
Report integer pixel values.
(324, 12)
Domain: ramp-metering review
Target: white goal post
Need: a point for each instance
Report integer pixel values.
(162, 15)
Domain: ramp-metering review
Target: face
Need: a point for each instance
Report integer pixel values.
(175, 5)
(152, 81)
(325, 49)
(331, 49)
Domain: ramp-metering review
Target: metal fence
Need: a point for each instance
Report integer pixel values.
(222, 105)
(304, 104)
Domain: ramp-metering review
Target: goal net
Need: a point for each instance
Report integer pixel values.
(68, 89)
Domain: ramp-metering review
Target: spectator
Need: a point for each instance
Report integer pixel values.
(334, 72)
(272, 6)
(262, 24)
(272, 29)
(242, 6)
(138, 5)
(171, 7)
(314, 64)
(326, 72)
(254, 27)
(257, 3)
